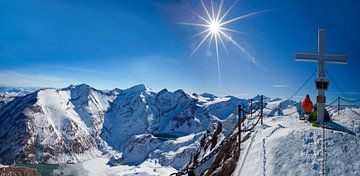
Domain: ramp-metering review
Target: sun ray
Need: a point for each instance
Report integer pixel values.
(232, 30)
(219, 10)
(215, 30)
(223, 44)
(200, 33)
(212, 11)
(206, 10)
(211, 39)
(237, 45)
(202, 41)
(198, 15)
(218, 61)
(226, 13)
(242, 17)
(194, 24)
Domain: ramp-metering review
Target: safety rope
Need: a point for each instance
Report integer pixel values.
(207, 157)
(254, 117)
(231, 137)
(336, 84)
(346, 99)
(302, 86)
(253, 109)
(337, 99)
(350, 101)
(252, 126)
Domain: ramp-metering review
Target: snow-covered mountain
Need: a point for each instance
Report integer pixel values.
(7, 94)
(77, 122)
(52, 125)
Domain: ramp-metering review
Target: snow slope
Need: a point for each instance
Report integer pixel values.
(288, 146)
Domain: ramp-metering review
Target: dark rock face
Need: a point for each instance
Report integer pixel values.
(224, 162)
(12, 171)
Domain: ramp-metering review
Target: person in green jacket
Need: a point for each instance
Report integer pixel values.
(313, 114)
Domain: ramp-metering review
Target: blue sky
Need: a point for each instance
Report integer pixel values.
(120, 43)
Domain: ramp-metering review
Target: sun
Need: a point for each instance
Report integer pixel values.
(213, 24)
(214, 27)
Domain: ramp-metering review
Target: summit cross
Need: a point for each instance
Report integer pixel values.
(321, 58)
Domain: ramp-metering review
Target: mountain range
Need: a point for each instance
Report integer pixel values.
(129, 126)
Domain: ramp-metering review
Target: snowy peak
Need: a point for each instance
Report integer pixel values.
(62, 123)
(19, 90)
(138, 88)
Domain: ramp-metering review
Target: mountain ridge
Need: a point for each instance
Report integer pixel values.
(79, 122)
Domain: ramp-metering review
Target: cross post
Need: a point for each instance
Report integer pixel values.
(321, 82)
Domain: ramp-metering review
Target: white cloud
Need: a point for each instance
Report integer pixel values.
(69, 68)
(11, 78)
(280, 85)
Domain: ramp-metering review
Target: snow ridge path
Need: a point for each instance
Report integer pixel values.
(252, 139)
(264, 146)
(264, 156)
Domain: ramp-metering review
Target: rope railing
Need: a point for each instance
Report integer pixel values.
(241, 117)
(302, 86)
(253, 117)
(253, 106)
(340, 105)
(207, 157)
(252, 126)
(333, 102)
(350, 101)
(252, 111)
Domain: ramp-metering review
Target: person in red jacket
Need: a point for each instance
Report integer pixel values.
(307, 105)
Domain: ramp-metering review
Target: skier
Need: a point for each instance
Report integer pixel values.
(307, 105)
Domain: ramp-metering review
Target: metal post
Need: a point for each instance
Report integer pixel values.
(239, 124)
(338, 105)
(321, 75)
(262, 109)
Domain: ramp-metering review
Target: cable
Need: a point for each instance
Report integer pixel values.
(342, 92)
(302, 86)
(337, 85)
(333, 101)
(350, 101)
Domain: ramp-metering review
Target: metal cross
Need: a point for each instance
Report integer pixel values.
(321, 58)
